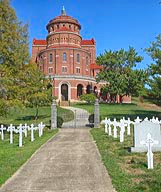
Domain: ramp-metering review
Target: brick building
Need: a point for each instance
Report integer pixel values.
(67, 59)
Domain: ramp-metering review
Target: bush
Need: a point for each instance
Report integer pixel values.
(89, 98)
(59, 122)
(91, 118)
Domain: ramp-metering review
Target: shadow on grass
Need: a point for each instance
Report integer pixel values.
(141, 113)
(32, 117)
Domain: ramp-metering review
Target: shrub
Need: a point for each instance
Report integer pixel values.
(89, 98)
(91, 118)
(59, 122)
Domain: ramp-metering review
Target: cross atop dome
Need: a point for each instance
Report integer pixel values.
(63, 12)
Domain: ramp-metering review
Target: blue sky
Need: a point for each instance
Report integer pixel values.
(114, 24)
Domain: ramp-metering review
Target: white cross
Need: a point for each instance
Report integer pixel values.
(137, 120)
(149, 143)
(122, 130)
(129, 122)
(20, 131)
(153, 119)
(115, 124)
(146, 119)
(25, 128)
(108, 126)
(2, 128)
(11, 129)
(40, 128)
(32, 128)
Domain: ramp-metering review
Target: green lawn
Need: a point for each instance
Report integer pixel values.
(120, 110)
(128, 170)
(27, 115)
(12, 157)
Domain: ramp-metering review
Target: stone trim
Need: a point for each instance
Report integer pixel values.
(71, 77)
(60, 48)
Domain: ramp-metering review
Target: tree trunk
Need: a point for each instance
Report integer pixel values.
(37, 112)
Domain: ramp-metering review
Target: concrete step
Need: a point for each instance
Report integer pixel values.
(64, 103)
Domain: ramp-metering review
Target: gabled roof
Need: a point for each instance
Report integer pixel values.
(95, 66)
(88, 42)
(39, 42)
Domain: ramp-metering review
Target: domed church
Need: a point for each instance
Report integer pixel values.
(67, 59)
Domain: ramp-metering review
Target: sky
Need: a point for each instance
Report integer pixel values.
(114, 24)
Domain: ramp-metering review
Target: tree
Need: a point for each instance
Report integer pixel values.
(119, 74)
(14, 53)
(36, 90)
(21, 82)
(155, 68)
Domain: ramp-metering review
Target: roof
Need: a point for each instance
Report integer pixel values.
(95, 66)
(39, 42)
(62, 19)
(88, 42)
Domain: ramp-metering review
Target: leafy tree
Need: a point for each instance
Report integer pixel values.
(14, 50)
(119, 74)
(34, 89)
(89, 98)
(155, 68)
(14, 53)
(21, 82)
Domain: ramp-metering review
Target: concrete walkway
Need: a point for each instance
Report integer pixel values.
(81, 116)
(69, 162)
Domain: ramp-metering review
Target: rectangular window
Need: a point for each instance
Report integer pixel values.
(51, 58)
(50, 69)
(64, 69)
(64, 57)
(77, 70)
(78, 58)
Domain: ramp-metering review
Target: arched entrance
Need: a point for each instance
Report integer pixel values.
(64, 92)
(79, 90)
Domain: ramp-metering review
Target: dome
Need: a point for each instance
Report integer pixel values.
(63, 18)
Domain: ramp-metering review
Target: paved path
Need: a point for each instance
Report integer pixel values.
(69, 162)
(81, 118)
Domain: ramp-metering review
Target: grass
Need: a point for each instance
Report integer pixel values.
(27, 115)
(128, 170)
(12, 157)
(121, 110)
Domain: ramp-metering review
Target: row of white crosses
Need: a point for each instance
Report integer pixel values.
(122, 124)
(20, 130)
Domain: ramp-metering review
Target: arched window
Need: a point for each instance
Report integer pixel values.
(51, 58)
(78, 57)
(64, 57)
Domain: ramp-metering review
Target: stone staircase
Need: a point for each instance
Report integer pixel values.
(64, 103)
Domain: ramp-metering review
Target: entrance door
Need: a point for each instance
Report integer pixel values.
(64, 92)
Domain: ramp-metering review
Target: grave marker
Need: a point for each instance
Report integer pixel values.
(2, 128)
(20, 131)
(11, 129)
(115, 124)
(122, 130)
(40, 128)
(149, 142)
(140, 134)
(32, 129)
(129, 122)
(25, 128)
